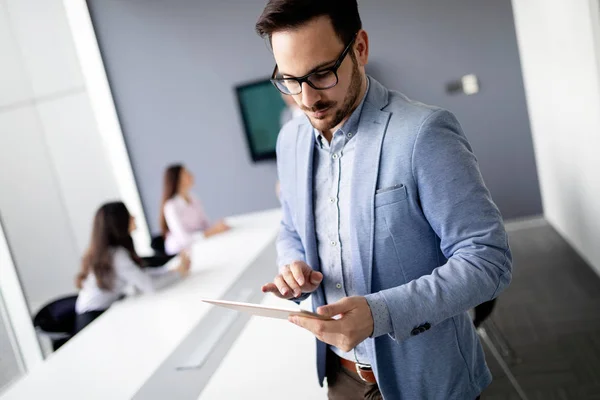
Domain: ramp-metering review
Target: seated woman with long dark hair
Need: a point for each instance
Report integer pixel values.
(111, 264)
(182, 214)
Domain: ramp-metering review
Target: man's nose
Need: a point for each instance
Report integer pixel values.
(310, 96)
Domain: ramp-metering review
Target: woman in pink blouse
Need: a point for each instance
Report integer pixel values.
(182, 214)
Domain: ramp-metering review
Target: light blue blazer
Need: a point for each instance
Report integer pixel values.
(434, 244)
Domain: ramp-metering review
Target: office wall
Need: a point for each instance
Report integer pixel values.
(55, 168)
(558, 41)
(173, 65)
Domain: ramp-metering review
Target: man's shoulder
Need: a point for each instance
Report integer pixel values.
(289, 132)
(410, 119)
(404, 112)
(411, 112)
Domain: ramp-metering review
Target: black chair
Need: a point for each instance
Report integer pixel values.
(158, 245)
(491, 334)
(160, 257)
(56, 320)
(483, 311)
(155, 261)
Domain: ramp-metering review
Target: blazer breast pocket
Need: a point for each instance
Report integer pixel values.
(390, 195)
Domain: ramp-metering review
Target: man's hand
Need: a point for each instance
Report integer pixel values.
(354, 325)
(293, 280)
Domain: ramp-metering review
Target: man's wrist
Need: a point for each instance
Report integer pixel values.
(382, 322)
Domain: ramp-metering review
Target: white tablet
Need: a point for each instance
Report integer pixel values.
(265, 311)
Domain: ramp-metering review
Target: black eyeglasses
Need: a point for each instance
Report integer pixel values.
(320, 80)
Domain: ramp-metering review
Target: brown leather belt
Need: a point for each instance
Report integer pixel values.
(364, 371)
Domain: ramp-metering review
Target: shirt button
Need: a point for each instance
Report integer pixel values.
(333, 243)
(335, 156)
(349, 135)
(332, 200)
(339, 286)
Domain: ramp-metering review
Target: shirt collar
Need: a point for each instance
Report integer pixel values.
(351, 124)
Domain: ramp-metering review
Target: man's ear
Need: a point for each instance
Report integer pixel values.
(361, 47)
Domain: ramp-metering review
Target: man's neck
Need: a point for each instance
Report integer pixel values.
(328, 134)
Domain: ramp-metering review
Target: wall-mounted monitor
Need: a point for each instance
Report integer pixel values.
(263, 112)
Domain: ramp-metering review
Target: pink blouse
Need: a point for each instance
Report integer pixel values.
(183, 219)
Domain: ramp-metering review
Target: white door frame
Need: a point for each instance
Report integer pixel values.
(22, 333)
(595, 16)
(103, 106)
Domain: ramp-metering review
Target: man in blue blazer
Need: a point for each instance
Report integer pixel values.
(386, 222)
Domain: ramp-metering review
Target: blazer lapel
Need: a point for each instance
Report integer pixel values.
(371, 131)
(304, 174)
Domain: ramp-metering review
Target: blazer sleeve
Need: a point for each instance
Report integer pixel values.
(459, 208)
(289, 245)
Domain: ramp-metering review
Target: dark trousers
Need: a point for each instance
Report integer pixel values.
(83, 320)
(346, 385)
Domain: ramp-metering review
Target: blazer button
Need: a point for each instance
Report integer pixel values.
(415, 332)
(422, 329)
(427, 326)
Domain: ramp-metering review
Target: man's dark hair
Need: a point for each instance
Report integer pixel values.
(281, 15)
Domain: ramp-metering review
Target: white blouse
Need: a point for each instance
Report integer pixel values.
(183, 219)
(127, 273)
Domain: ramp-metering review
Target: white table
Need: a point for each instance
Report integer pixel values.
(115, 355)
(271, 359)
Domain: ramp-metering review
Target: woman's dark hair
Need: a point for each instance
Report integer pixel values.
(110, 230)
(170, 189)
(281, 15)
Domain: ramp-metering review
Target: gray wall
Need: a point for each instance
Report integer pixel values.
(173, 65)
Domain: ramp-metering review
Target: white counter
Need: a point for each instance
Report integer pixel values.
(272, 359)
(115, 355)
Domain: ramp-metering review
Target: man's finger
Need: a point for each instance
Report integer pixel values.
(272, 288)
(291, 282)
(269, 288)
(340, 307)
(317, 327)
(283, 288)
(326, 331)
(316, 277)
(296, 270)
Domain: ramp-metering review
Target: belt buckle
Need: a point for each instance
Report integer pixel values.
(362, 368)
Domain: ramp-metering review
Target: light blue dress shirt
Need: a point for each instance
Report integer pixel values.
(333, 165)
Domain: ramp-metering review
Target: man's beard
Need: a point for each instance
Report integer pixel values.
(347, 106)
